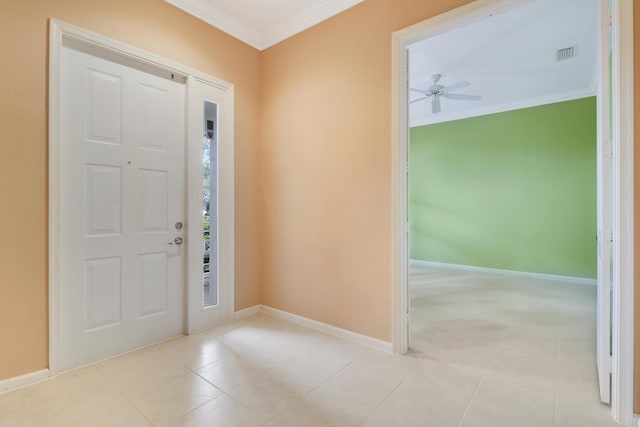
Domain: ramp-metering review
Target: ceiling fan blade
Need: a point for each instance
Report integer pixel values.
(419, 99)
(422, 91)
(464, 97)
(435, 104)
(455, 86)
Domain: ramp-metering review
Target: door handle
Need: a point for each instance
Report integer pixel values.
(177, 241)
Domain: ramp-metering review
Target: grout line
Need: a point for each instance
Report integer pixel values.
(475, 392)
(123, 394)
(392, 391)
(328, 337)
(26, 409)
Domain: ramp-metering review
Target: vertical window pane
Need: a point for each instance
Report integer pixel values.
(210, 205)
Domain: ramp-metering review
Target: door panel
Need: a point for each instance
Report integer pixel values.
(102, 289)
(154, 284)
(122, 191)
(104, 107)
(103, 214)
(605, 228)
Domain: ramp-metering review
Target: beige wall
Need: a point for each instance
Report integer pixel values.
(325, 166)
(152, 25)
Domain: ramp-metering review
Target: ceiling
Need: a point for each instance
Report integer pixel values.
(509, 59)
(263, 23)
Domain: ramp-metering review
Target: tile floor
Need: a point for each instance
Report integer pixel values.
(487, 351)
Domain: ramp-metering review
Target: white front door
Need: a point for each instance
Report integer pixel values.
(122, 135)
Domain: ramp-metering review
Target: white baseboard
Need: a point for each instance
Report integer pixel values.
(329, 329)
(318, 326)
(249, 311)
(23, 380)
(567, 279)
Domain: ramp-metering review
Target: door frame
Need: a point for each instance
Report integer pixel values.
(623, 128)
(59, 32)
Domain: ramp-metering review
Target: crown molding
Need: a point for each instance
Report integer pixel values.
(305, 19)
(222, 21)
(261, 40)
(501, 108)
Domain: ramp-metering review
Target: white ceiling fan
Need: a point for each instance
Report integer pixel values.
(436, 91)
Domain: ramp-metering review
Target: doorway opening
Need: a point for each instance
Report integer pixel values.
(622, 265)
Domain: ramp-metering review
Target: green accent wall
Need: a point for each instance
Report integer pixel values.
(513, 191)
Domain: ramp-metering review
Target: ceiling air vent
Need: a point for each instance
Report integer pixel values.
(566, 53)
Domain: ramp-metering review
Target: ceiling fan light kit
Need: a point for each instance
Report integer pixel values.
(436, 91)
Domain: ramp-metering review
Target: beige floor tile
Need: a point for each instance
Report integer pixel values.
(298, 377)
(352, 394)
(79, 383)
(13, 413)
(522, 356)
(200, 354)
(447, 377)
(222, 411)
(577, 404)
(269, 394)
(577, 361)
(121, 414)
(307, 414)
(505, 399)
(585, 417)
(476, 357)
(435, 394)
(163, 404)
(142, 369)
(402, 365)
(80, 398)
(233, 371)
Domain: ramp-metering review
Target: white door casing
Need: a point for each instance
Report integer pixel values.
(63, 34)
(622, 307)
(604, 229)
(122, 192)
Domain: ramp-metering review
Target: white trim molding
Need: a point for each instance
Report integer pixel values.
(473, 268)
(320, 11)
(23, 380)
(305, 19)
(373, 343)
(213, 16)
(501, 108)
(623, 231)
(314, 324)
(246, 312)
